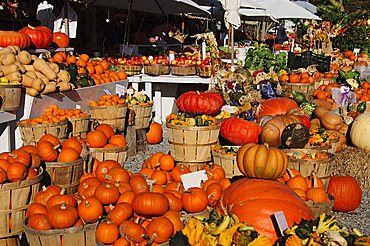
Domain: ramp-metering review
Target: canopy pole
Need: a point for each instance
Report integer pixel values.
(232, 48)
(128, 20)
(66, 21)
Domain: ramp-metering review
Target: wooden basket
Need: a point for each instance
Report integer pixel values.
(80, 126)
(156, 69)
(331, 148)
(15, 198)
(306, 89)
(142, 115)
(183, 70)
(319, 208)
(66, 174)
(192, 143)
(322, 81)
(227, 162)
(204, 71)
(31, 133)
(117, 154)
(193, 166)
(322, 168)
(11, 95)
(112, 115)
(131, 69)
(81, 236)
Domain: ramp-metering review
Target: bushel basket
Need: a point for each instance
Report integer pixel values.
(112, 115)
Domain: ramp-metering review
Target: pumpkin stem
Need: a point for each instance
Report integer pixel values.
(111, 207)
(62, 191)
(44, 188)
(63, 206)
(290, 173)
(151, 240)
(33, 28)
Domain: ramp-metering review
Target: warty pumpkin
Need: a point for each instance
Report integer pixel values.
(261, 161)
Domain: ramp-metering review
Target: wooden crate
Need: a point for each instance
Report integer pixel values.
(65, 174)
(142, 115)
(112, 115)
(81, 236)
(11, 96)
(15, 198)
(319, 208)
(192, 143)
(80, 126)
(31, 133)
(322, 168)
(227, 162)
(116, 154)
(156, 69)
(183, 70)
(306, 89)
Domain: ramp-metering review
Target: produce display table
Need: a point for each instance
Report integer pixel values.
(155, 86)
(5, 133)
(79, 98)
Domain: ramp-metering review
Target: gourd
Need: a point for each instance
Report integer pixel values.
(261, 161)
(295, 135)
(360, 131)
(329, 120)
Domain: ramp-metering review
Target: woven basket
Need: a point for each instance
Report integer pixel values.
(101, 154)
(112, 115)
(322, 168)
(183, 70)
(80, 126)
(131, 69)
(141, 115)
(31, 133)
(228, 163)
(15, 198)
(306, 89)
(192, 143)
(204, 71)
(11, 95)
(81, 236)
(319, 208)
(66, 174)
(331, 147)
(156, 69)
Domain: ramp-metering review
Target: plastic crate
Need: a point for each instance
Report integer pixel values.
(298, 60)
(322, 62)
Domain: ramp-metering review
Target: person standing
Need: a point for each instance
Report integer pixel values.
(281, 34)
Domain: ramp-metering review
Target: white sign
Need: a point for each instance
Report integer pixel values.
(356, 51)
(78, 106)
(281, 221)
(193, 179)
(120, 90)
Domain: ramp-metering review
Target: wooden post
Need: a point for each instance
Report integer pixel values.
(232, 47)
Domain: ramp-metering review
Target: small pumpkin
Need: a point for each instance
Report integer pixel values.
(175, 218)
(39, 222)
(214, 192)
(107, 129)
(36, 208)
(295, 135)
(195, 102)
(214, 171)
(261, 161)
(132, 231)
(68, 155)
(120, 213)
(161, 229)
(96, 139)
(87, 187)
(166, 162)
(155, 134)
(174, 202)
(138, 184)
(194, 200)
(316, 195)
(117, 174)
(150, 204)
(90, 210)
(107, 193)
(46, 193)
(16, 172)
(47, 151)
(61, 39)
(50, 138)
(104, 167)
(238, 131)
(73, 143)
(177, 171)
(127, 196)
(59, 199)
(118, 140)
(62, 216)
(107, 232)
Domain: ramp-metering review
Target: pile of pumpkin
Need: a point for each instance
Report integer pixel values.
(35, 74)
(296, 78)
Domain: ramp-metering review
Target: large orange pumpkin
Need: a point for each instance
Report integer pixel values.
(8, 38)
(276, 106)
(41, 36)
(155, 134)
(238, 131)
(195, 102)
(260, 161)
(256, 200)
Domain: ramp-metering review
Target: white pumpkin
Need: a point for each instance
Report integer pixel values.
(360, 132)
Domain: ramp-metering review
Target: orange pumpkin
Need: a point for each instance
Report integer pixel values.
(155, 134)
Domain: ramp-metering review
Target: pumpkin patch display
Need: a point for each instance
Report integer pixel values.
(195, 102)
(238, 131)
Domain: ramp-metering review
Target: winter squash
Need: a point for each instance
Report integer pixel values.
(178, 171)
(275, 106)
(96, 139)
(261, 161)
(50, 138)
(104, 167)
(61, 39)
(166, 162)
(2, 175)
(35, 161)
(155, 134)
(360, 131)
(346, 192)
(150, 204)
(127, 196)
(261, 198)
(44, 195)
(41, 36)
(39, 222)
(73, 143)
(175, 218)
(297, 182)
(16, 172)
(301, 193)
(194, 200)
(214, 192)
(4, 164)
(122, 242)
(8, 38)
(62, 216)
(107, 232)
(159, 177)
(117, 174)
(161, 229)
(238, 131)
(154, 160)
(207, 183)
(88, 186)
(20, 156)
(225, 182)
(122, 186)
(36, 208)
(31, 173)
(59, 199)
(138, 184)
(47, 151)
(132, 231)
(68, 155)
(107, 193)
(295, 135)
(174, 202)
(214, 171)
(316, 195)
(195, 102)
(175, 186)
(120, 213)
(107, 129)
(90, 210)
(118, 140)
(148, 172)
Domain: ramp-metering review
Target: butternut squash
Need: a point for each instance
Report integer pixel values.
(49, 88)
(46, 80)
(41, 66)
(39, 75)
(20, 66)
(29, 67)
(329, 120)
(5, 51)
(1, 74)
(9, 69)
(54, 66)
(32, 74)
(32, 92)
(325, 104)
(16, 76)
(38, 85)
(8, 59)
(63, 76)
(64, 86)
(315, 124)
(24, 57)
(27, 80)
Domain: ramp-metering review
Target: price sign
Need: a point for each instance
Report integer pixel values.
(78, 106)
(281, 221)
(120, 90)
(356, 51)
(193, 179)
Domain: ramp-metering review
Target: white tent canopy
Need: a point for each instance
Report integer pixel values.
(308, 6)
(160, 7)
(285, 9)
